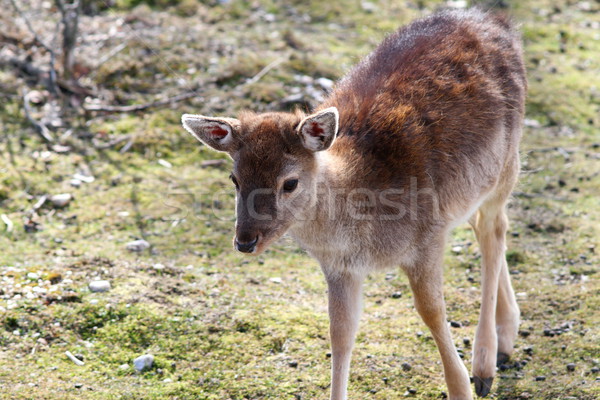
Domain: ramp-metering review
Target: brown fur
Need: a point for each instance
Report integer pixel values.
(428, 128)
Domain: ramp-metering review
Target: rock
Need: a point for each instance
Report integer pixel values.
(540, 378)
(325, 83)
(124, 367)
(406, 367)
(293, 364)
(75, 183)
(455, 324)
(143, 363)
(78, 385)
(396, 295)
(99, 286)
(466, 342)
(84, 178)
(571, 367)
(138, 246)
(61, 200)
(457, 249)
(32, 276)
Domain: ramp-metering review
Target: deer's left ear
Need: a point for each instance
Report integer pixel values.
(318, 131)
(217, 133)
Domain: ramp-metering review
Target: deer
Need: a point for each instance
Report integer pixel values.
(420, 136)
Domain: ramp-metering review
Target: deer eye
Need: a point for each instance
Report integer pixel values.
(290, 185)
(235, 182)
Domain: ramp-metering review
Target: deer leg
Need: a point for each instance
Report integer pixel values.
(345, 292)
(491, 226)
(507, 315)
(427, 286)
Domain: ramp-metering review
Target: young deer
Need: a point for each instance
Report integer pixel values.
(422, 135)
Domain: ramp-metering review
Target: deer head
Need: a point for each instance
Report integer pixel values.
(275, 168)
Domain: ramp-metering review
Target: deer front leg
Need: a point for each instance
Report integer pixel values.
(426, 281)
(345, 292)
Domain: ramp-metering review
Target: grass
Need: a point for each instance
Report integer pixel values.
(222, 326)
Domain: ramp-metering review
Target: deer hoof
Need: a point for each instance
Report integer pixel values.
(501, 358)
(482, 385)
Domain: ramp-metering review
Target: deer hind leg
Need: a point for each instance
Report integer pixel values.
(427, 285)
(499, 316)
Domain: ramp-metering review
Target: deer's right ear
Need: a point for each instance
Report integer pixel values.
(217, 133)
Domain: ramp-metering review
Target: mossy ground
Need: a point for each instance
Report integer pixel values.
(222, 326)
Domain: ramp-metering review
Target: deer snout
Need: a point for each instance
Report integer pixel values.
(245, 245)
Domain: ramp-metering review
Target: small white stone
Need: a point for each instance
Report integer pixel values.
(84, 178)
(61, 200)
(275, 280)
(138, 245)
(325, 83)
(457, 249)
(165, 163)
(33, 276)
(75, 183)
(99, 286)
(143, 363)
(124, 367)
(158, 267)
(167, 380)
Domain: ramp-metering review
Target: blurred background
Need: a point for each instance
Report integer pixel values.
(116, 225)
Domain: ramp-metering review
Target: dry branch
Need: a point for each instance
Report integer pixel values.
(40, 128)
(141, 107)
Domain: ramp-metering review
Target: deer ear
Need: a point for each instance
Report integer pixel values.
(217, 133)
(318, 130)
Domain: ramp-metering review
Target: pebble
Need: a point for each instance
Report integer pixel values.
(124, 367)
(143, 363)
(99, 286)
(528, 350)
(138, 245)
(406, 366)
(78, 385)
(540, 378)
(293, 364)
(571, 367)
(467, 341)
(396, 295)
(61, 200)
(455, 324)
(325, 83)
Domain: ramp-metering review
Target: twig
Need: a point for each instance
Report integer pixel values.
(110, 54)
(114, 142)
(265, 71)
(140, 107)
(8, 222)
(76, 360)
(53, 76)
(41, 129)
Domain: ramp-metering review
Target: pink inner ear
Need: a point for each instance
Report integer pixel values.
(315, 129)
(216, 130)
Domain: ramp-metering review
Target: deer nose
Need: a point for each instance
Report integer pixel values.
(246, 247)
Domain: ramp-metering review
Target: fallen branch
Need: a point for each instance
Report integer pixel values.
(140, 107)
(40, 128)
(114, 142)
(265, 71)
(76, 360)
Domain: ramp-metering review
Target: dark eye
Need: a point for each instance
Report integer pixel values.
(290, 185)
(235, 182)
